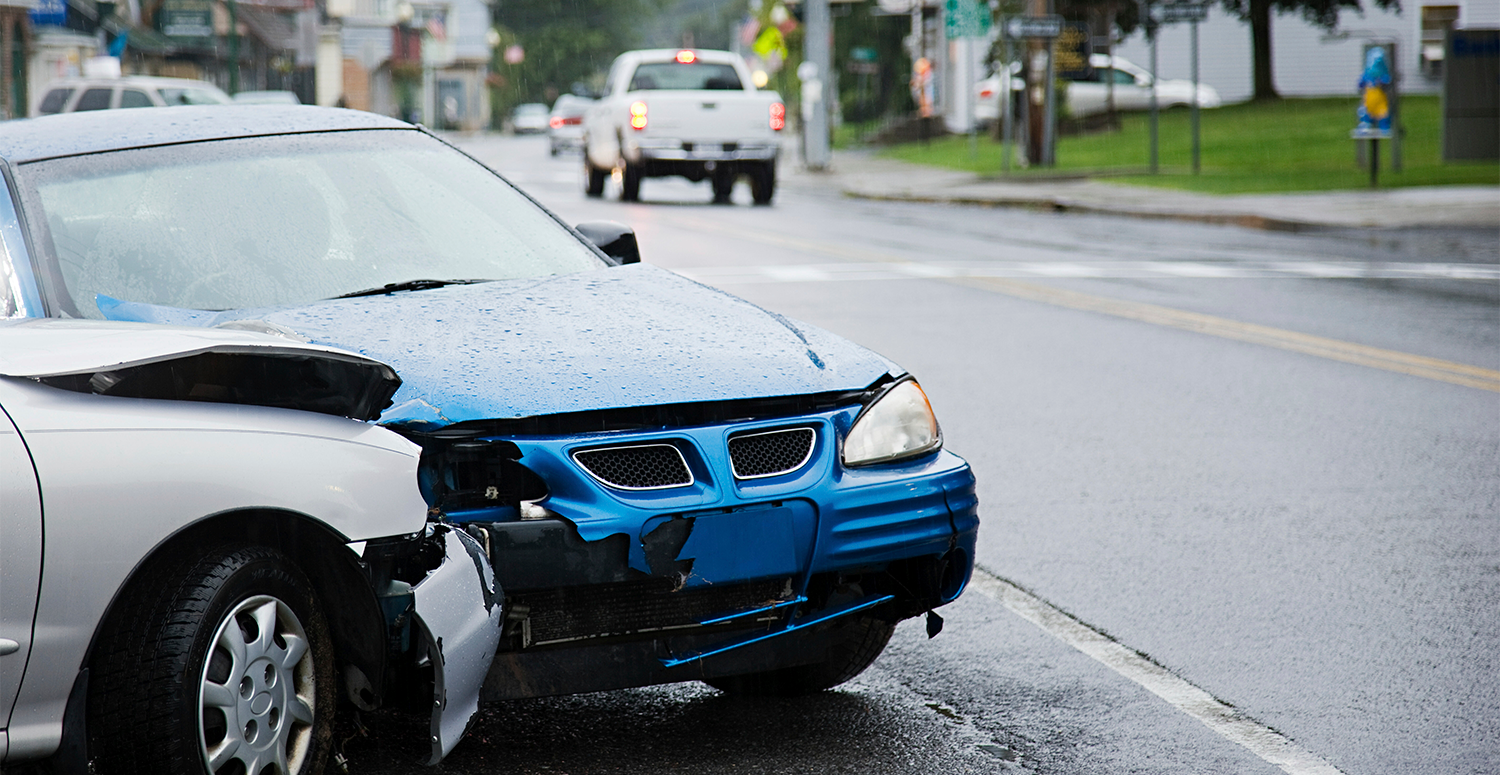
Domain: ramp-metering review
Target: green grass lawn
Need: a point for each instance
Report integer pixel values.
(1288, 145)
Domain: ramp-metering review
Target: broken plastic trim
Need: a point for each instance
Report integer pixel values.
(308, 381)
(676, 661)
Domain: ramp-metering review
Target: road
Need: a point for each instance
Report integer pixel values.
(1240, 491)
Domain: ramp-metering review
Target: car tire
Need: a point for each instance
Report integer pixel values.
(225, 657)
(723, 186)
(593, 177)
(861, 642)
(763, 183)
(630, 183)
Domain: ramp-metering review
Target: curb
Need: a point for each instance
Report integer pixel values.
(1245, 220)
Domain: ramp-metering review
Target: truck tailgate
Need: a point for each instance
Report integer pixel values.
(707, 116)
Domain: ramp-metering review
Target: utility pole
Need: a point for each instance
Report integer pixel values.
(817, 65)
(1036, 96)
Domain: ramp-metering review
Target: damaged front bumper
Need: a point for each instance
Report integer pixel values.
(444, 628)
(608, 586)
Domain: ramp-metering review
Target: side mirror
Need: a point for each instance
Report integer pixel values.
(615, 240)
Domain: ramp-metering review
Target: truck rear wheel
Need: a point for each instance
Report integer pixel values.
(723, 183)
(763, 183)
(630, 183)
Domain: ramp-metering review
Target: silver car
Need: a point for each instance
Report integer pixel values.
(202, 547)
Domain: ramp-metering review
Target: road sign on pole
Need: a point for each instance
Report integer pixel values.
(1046, 27)
(1172, 13)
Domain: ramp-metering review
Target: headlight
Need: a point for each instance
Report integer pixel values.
(899, 424)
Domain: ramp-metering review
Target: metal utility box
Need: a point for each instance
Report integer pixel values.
(1471, 95)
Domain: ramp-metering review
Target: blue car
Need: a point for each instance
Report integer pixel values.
(670, 483)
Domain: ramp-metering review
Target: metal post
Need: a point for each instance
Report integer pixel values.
(815, 50)
(970, 97)
(1197, 144)
(1395, 109)
(234, 49)
(1007, 109)
(1150, 30)
(1374, 162)
(1049, 136)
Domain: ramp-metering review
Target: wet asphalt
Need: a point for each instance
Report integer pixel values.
(1313, 541)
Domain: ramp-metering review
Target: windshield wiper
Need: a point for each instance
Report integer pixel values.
(409, 285)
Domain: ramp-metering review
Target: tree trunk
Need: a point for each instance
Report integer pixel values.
(1260, 37)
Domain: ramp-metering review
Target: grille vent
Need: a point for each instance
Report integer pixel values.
(759, 455)
(639, 467)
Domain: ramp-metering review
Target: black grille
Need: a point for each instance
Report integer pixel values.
(651, 605)
(756, 455)
(643, 467)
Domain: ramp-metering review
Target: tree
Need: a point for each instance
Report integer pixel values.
(565, 41)
(1324, 13)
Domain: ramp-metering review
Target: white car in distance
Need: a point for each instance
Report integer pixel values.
(1132, 90)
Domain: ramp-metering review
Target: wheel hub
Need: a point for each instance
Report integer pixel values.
(256, 697)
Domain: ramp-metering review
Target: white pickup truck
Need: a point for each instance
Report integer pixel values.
(692, 113)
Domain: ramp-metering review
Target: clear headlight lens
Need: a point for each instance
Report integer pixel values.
(899, 424)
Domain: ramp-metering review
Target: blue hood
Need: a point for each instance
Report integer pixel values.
(617, 337)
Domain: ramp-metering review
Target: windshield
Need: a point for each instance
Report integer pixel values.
(283, 220)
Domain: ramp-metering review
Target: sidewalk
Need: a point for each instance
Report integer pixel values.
(862, 175)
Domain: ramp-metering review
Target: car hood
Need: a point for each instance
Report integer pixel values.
(612, 338)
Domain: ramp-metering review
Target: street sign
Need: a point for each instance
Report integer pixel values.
(1034, 26)
(1179, 12)
(966, 19)
(1074, 48)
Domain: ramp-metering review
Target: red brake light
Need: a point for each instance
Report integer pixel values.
(778, 116)
(555, 122)
(686, 57)
(638, 115)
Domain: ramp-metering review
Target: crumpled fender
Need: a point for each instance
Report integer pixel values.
(458, 611)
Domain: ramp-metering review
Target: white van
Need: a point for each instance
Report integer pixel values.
(131, 91)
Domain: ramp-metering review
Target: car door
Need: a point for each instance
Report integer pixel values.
(20, 560)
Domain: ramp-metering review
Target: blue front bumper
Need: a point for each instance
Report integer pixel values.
(662, 584)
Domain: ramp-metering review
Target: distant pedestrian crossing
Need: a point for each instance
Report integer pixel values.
(895, 270)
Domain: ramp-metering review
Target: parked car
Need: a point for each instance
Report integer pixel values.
(699, 490)
(222, 541)
(131, 91)
(273, 97)
(1132, 90)
(529, 119)
(693, 113)
(565, 123)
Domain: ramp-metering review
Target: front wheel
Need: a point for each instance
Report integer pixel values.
(593, 177)
(859, 644)
(220, 665)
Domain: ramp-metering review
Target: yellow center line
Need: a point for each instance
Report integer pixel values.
(1322, 347)
(1307, 344)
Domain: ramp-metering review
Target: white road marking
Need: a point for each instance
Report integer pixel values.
(1229, 723)
(907, 270)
